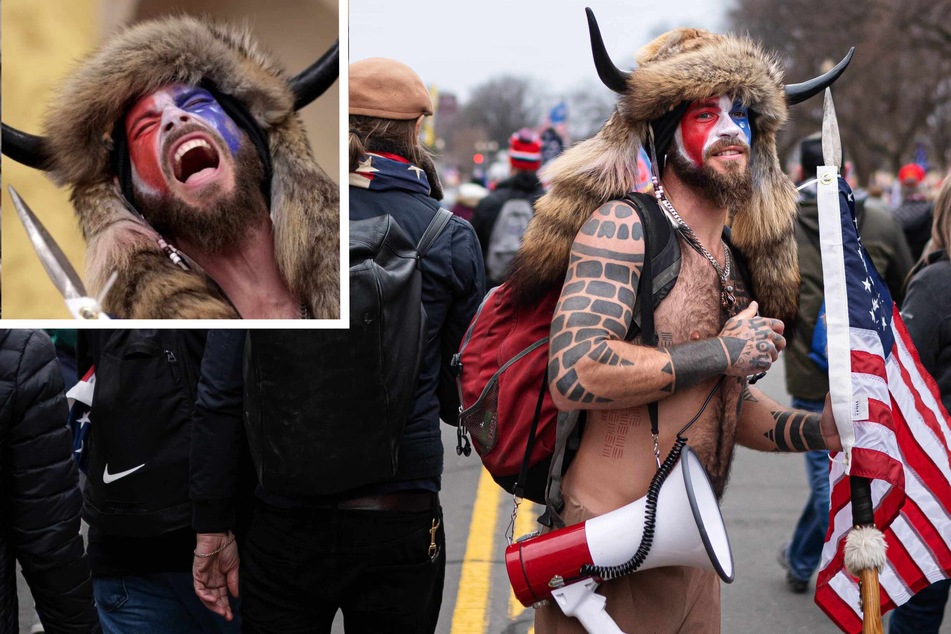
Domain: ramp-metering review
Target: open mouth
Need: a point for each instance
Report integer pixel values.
(193, 159)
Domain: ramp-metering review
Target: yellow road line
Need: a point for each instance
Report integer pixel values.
(470, 616)
(525, 523)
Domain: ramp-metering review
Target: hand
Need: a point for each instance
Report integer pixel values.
(214, 577)
(751, 343)
(830, 433)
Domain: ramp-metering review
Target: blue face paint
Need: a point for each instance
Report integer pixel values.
(201, 103)
(740, 115)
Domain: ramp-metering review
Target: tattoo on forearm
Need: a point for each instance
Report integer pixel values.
(697, 361)
(796, 430)
(597, 300)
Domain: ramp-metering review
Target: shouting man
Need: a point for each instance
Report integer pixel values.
(193, 178)
(708, 107)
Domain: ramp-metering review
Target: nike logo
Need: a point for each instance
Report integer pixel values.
(112, 477)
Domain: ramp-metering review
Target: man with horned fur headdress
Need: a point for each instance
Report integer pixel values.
(708, 106)
(192, 175)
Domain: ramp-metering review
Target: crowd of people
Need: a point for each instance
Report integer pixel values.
(264, 480)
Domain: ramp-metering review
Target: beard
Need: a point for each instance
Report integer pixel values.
(221, 223)
(731, 189)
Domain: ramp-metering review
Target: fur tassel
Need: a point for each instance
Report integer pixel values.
(864, 549)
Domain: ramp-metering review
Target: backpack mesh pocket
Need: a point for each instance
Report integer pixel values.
(482, 419)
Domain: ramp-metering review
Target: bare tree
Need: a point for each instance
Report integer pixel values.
(897, 91)
(503, 105)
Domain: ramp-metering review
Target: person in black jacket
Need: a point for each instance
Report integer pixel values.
(374, 550)
(136, 498)
(39, 496)
(501, 218)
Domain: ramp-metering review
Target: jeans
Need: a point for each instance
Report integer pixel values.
(299, 566)
(923, 612)
(156, 603)
(805, 548)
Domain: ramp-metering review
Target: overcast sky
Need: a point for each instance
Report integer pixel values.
(459, 44)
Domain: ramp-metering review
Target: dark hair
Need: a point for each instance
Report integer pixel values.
(810, 156)
(393, 136)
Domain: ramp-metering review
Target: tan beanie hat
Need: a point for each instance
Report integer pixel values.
(388, 89)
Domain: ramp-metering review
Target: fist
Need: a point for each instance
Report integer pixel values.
(751, 343)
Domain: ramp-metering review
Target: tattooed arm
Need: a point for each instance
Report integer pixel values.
(766, 425)
(590, 364)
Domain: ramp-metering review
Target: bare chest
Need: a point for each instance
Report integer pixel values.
(694, 310)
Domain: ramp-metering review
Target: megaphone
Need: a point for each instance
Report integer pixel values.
(539, 566)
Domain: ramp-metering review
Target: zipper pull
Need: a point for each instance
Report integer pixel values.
(170, 356)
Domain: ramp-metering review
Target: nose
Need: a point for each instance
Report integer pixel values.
(173, 116)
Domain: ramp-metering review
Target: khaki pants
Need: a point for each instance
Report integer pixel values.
(656, 601)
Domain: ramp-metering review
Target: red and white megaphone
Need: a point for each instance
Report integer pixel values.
(550, 566)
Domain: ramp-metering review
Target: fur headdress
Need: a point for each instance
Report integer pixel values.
(683, 65)
(146, 57)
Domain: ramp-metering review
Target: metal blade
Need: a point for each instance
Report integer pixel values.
(831, 143)
(58, 267)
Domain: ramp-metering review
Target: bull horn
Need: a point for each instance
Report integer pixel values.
(28, 149)
(797, 93)
(313, 81)
(612, 77)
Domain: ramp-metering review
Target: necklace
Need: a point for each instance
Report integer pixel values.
(727, 296)
(304, 311)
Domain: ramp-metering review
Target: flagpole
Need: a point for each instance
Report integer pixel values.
(865, 534)
(865, 545)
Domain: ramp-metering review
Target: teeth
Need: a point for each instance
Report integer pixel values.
(189, 145)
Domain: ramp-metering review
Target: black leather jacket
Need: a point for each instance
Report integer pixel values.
(39, 496)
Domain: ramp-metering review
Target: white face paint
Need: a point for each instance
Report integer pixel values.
(709, 121)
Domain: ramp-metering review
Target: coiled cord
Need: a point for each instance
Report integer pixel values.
(606, 573)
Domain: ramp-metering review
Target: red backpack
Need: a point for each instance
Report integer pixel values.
(503, 385)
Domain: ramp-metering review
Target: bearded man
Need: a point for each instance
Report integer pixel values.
(193, 178)
(708, 107)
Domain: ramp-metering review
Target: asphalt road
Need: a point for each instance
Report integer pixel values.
(763, 501)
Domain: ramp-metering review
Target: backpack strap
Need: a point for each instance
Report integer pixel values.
(436, 225)
(646, 283)
(530, 445)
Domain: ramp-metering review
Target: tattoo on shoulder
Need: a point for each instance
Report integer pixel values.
(796, 430)
(597, 300)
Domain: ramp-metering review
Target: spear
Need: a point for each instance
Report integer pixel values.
(865, 544)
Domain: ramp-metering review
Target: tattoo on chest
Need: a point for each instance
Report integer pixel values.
(796, 430)
(617, 425)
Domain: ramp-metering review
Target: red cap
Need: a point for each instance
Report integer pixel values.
(911, 174)
(525, 150)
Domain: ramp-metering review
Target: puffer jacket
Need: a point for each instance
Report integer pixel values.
(39, 497)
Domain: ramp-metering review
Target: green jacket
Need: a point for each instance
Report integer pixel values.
(885, 243)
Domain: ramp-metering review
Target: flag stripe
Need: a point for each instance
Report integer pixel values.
(893, 427)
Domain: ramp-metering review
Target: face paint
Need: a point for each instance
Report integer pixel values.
(154, 117)
(708, 121)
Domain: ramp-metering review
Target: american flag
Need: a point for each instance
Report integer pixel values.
(79, 398)
(893, 426)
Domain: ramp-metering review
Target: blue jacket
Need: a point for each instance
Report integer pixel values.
(453, 288)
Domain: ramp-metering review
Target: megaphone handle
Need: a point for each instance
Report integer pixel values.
(580, 601)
